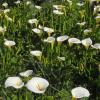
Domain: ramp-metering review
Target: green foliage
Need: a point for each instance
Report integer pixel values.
(81, 65)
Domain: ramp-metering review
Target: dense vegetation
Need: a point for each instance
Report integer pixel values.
(81, 65)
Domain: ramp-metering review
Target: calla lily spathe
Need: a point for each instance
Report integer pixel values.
(6, 11)
(48, 30)
(97, 18)
(50, 39)
(61, 58)
(40, 27)
(96, 46)
(38, 7)
(9, 43)
(87, 42)
(17, 2)
(8, 18)
(5, 4)
(2, 29)
(37, 85)
(38, 31)
(80, 4)
(62, 38)
(86, 31)
(58, 7)
(57, 12)
(26, 73)
(32, 21)
(28, 2)
(15, 82)
(81, 24)
(80, 92)
(74, 41)
(36, 53)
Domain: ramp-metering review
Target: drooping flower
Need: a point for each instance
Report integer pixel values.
(62, 38)
(37, 85)
(26, 73)
(9, 43)
(80, 92)
(15, 82)
(73, 41)
(87, 42)
(96, 46)
(57, 12)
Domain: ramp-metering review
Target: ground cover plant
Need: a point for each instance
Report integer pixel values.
(50, 50)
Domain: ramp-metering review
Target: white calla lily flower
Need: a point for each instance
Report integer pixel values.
(28, 2)
(80, 4)
(81, 24)
(36, 53)
(97, 18)
(17, 2)
(57, 12)
(96, 9)
(37, 85)
(15, 82)
(87, 42)
(70, 2)
(38, 31)
(61, 58)
(80, 92)
(58, 7)
(38, 7)
(96, 46)
(92, 1)
(9, 43)
(33, 21)
(40, 27)
(48, 30)
(5, 4)
(8, 18)
(2, 29)
(26, 73)
(87, 31)
(74, 41)
(62, 38)
(6, 11)
(50, 40)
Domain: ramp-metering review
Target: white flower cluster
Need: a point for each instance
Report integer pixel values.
(36, 84)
